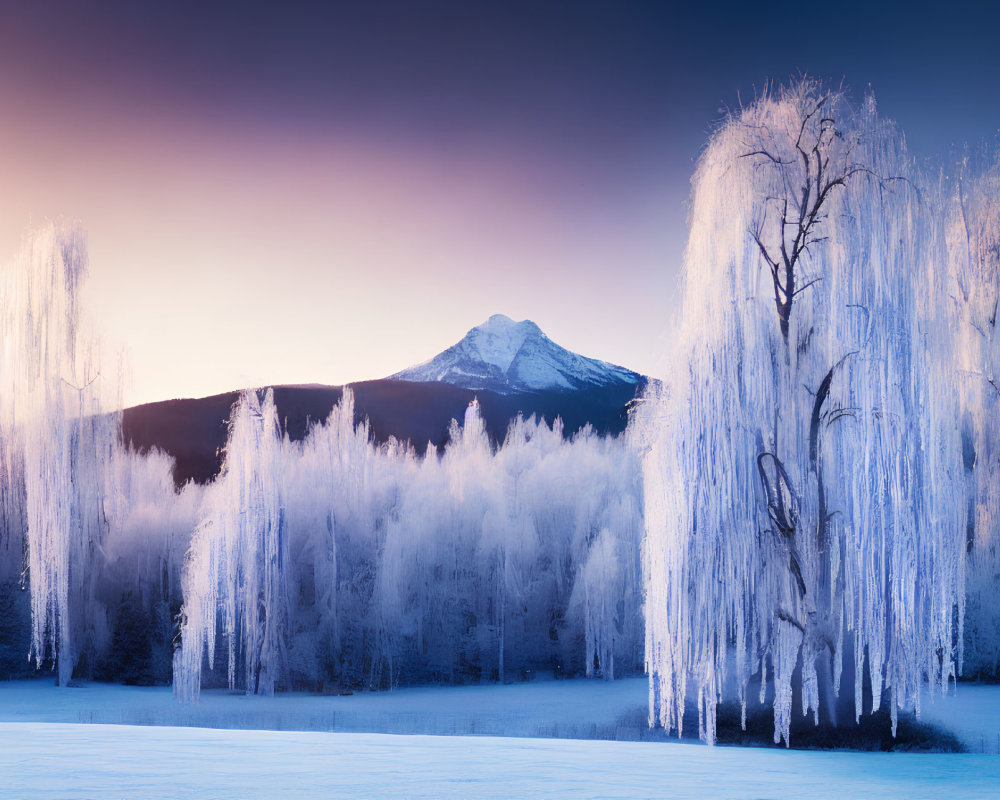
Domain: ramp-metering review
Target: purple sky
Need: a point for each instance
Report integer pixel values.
(330, 192)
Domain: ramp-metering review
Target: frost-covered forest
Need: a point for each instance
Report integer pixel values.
(327, 564)
(805, 510)
(334, 560)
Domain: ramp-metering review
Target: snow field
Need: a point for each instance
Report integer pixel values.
(577, 709)
(68, 761)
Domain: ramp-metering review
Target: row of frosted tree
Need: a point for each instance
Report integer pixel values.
(821, 472)
(335, 561)
(331, 563)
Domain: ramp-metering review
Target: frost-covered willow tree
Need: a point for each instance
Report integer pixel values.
(236, 569)
(56, 440)
(973, 220)
(802, 468)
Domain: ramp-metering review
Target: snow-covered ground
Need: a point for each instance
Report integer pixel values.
(339, 747)
(107, 761)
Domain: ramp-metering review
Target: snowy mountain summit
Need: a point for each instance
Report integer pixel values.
(509, 357)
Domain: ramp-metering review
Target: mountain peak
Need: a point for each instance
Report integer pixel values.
(502, 323)
(499, 321)
(508, 357)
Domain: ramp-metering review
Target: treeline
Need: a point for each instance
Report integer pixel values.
(330, 562)
(323, 564)
(337, 564)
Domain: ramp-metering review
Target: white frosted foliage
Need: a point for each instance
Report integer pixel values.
(56, 436)
(802, 464)
(974, 261)
(601, 587)
(236, 567)
(482, 562)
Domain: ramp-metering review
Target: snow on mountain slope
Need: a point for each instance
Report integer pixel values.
(506, 357)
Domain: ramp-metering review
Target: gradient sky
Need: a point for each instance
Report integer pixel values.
(329, 192)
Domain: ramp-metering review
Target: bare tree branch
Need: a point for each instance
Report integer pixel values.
(766, 154)
(801, 289)
(785, 616)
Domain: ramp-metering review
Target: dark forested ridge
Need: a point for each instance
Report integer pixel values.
(193, 430)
